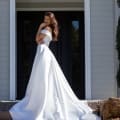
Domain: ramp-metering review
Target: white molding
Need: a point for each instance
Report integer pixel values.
(12, 51)
(55, 6)
(116, 62)
(50, 9)
(116, 13)
(87, 50)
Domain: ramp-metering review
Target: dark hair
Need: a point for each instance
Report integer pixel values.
(53, 25)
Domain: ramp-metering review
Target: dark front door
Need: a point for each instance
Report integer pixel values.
(69, 50)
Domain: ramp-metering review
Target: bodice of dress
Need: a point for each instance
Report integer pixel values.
(48, 38)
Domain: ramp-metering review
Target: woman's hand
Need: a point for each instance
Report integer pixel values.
(39, 42)
(39, 39)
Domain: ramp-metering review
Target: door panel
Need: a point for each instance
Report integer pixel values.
(69, 50)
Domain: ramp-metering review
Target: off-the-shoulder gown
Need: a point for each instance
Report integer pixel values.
(48, 95)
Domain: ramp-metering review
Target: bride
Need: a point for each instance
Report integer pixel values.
(48, 95)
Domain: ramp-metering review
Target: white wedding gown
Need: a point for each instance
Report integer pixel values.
(48, 94)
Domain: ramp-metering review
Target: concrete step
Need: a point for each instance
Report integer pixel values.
(6, 105)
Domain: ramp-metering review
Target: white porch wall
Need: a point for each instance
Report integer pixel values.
(103, 49)
(4, 49)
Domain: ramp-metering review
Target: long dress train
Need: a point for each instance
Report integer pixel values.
(48, 95)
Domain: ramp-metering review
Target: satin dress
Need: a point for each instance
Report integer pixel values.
(48, 94)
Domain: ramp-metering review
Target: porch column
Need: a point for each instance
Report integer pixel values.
(12, 50)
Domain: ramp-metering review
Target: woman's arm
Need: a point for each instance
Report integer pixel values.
(40, 36)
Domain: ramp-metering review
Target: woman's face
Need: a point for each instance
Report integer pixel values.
(47, 20)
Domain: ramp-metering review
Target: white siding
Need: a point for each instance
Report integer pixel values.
(4, 49)
(102, 49)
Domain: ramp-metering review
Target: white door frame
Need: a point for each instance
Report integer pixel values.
(88, 92)
(12, 50)
(13, 47)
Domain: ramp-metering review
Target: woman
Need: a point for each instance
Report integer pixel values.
(48, 94)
